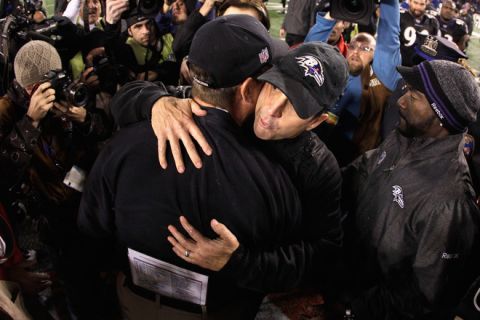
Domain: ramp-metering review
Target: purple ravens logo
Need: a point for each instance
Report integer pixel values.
(312, 67)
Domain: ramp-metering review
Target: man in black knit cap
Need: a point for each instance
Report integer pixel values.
(413, 218)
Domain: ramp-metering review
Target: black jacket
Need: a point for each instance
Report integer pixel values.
(186, 32)
(415, 228)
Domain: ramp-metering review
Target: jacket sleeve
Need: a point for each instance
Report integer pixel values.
(183, 38)
(134, 101)
(96, 212)
(353, 177)
(387, 53)
(321, 29)
(88, 297)
(18, 141)
(279, 269)
(435, 279)
(96, 127)
(316, 175)
(72, 11)
(117, 49)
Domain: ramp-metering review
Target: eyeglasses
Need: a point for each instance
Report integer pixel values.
(359, 47)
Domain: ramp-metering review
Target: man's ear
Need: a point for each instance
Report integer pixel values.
(316, 121)
(129, 32)
(249, 90)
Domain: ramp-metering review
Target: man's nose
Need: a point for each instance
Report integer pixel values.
(275, 110)
(402, 101)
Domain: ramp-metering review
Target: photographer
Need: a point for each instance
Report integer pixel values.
(97, 70)
(144, 51)
(46, 147)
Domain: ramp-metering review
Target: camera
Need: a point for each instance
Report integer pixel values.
(65, 89)
(107, 73)
(359, 11)
(144, 7)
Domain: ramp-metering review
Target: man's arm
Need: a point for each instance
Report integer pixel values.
(278, 269)
(387, 53)
(19, 140)
(322, 28)
(184, 36)
(72, 10)
(134, 101)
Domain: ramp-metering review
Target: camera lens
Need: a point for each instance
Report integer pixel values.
(354, 6)
(77, 94)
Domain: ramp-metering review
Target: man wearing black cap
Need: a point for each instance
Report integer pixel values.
(411, 202)
(130, 201)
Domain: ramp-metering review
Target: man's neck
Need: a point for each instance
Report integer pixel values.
(417, 18)
(205, 104)
(443, 20)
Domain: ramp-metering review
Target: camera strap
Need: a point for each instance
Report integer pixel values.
(5, 48)
(86, 23)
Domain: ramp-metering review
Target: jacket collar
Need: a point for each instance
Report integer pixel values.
(424, 148)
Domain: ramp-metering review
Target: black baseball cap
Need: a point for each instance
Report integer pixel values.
(136, 16)
(231, 49)
(312, 76)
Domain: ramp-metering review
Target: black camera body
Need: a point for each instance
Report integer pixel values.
(359, 11)
(107, 73)
(144, 7)
(65, 89)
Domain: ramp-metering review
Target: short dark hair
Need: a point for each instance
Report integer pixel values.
(221, 97)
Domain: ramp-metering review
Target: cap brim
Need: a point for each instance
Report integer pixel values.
(411, 77)
(423, 54)
(136, 19)
(303, 102)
